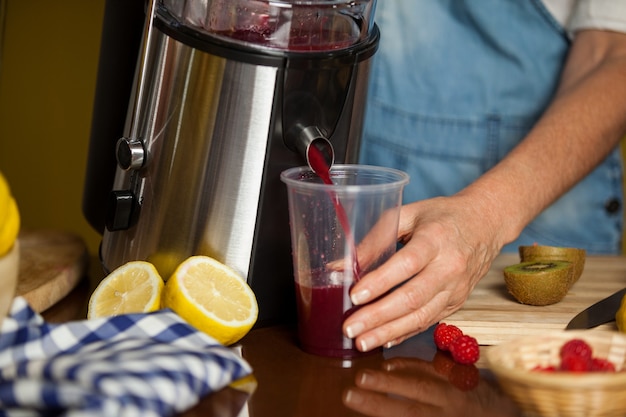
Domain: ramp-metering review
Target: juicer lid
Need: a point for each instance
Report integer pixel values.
(283, 25)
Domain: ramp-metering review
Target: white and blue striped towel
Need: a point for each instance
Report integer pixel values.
(150, 364)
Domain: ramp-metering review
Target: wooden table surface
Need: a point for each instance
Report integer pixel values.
(292, 383)
(493, 316)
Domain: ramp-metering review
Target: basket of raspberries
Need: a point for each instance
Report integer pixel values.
(566, 373)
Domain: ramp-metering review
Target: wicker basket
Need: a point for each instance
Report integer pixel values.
(562, 394)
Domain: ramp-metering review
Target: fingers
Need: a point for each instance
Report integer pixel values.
(384, 236)
(401, 266)
(394, 311)
(435, 292)
(376, 245)
(379, 240)
(396, 317)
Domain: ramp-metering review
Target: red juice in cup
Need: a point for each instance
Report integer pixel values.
(321, 312)
(322, 308)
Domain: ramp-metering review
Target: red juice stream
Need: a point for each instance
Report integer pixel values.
(321, 168)
(323, 308)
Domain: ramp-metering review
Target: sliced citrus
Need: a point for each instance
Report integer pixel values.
(9, 217)
(134, 287)
(9, 227)
(213, 298)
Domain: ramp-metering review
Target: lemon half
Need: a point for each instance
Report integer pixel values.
(213, 298)
(134, 287)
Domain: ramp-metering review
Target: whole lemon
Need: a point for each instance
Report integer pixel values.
(620, 316)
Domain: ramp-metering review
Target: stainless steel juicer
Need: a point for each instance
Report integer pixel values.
(227, 94)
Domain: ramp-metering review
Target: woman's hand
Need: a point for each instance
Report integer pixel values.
(449, 246)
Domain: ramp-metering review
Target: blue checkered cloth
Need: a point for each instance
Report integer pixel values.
(150, 364)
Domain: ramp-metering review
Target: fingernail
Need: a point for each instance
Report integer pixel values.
(360, 297)
(363, 345)
(390, 344)
(366, 343)
(353, 397)
(354, 329)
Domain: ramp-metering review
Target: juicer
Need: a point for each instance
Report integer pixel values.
(226, 94)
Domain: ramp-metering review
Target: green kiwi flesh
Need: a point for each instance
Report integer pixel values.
(555, 253)
(539, 283)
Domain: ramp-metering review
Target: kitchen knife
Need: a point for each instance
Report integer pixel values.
(599, 313)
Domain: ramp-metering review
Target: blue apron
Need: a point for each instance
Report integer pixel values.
(455, 85)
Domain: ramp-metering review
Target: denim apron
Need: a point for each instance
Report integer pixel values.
(455, 85)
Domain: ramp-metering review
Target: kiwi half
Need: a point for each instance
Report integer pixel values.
(554, 253)
(539, 283)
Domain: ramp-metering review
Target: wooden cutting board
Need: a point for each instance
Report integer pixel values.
(52, 263)
(492, 315)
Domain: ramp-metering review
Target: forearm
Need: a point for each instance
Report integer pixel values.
(585, 121)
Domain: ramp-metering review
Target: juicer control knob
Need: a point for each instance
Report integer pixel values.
(130, 154)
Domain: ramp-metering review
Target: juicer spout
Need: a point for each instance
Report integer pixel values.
(313, 145)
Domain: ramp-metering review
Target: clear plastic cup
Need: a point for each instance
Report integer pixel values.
(339, 232)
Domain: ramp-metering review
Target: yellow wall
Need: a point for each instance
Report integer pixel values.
(47, 82)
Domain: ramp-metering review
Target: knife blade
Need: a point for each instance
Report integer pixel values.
(599, 313)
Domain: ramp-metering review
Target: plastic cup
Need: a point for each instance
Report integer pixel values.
(339, 232)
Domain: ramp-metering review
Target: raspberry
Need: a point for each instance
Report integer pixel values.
(465, 350)
(576, 347)
(546, 368)
(575, 363)
(602, 365)
(445, 334)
